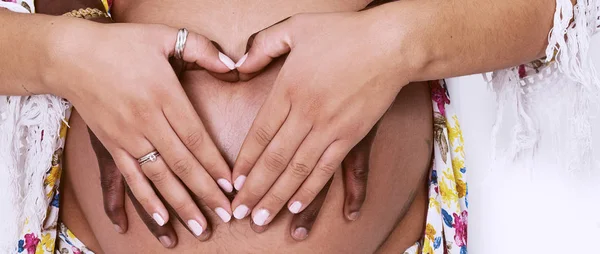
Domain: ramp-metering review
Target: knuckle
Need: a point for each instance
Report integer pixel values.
(306, 192)
(262, 135)
(144, 201)
(244, 164)
(182, 167)
(328, 168)
(181, 206)
(110, 184)
(255, 194)
(130, 178)
(307, 217)
(157, 177)
(300, 169)
(203, 194)
(193, 140)
(113, 209)
(276, 198)
(275, 162)
(360, 173)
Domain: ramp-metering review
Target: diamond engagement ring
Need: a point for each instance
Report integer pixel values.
(150, 157)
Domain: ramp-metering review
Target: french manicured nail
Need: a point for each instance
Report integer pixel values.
(353, 216)
(295, 207)
(165, 241)
(239, 182)
(261, 217)
(240, 212)
(300, 233)
(226, 61)
(225, 216)
(241, 61)
(118, 228)
(159, 219)
(225, 185)
(195, 227)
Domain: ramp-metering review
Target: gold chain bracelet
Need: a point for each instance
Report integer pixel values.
(87, 13)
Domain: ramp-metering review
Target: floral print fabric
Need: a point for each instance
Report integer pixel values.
(447, 216)
(446, 225)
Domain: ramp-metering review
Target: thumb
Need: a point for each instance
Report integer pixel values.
(267, 45)
(201, 51)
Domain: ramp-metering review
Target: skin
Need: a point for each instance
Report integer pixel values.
(327, 97)
(471, 47)
(161, 117)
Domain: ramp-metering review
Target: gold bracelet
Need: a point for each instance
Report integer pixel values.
(87, 13)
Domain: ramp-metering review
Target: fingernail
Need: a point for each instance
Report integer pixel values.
(195, 227)
(225, 216)
(240, 212)
(353, 216)
(261, 217)
(241, 61)
(227, 61)
(118, 228)
(295, 207)
(165, 241)
(225, 185)
(159, 219)
(239, 182)
(300, 233)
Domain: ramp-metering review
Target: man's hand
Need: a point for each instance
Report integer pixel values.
(355, 168)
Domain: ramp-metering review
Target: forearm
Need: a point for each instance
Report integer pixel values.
(440, 39)
(25, 46)
(28, 43)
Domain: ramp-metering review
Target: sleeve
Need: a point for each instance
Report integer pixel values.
(544, 107)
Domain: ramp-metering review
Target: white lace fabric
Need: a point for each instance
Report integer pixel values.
(561, 93)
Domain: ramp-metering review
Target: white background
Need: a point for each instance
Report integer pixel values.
(516, 210)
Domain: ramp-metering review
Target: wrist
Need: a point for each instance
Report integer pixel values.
(400, 30)
(61, 43)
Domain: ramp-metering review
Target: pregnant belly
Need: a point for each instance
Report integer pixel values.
(399, 159)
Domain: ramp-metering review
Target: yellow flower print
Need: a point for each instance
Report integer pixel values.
(70, 234)
(427, 247)
(434, 203)
(455, 134)
(47, 243)
(51, 179)
(430, 232)
(461, 186)
(63, 129)
(448, 193)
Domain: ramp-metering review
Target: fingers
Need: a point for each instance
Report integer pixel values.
(296, 171)
(267, 123)
(272, 163)
(356, 170)
(140, 186)
(175, 195)
(190, 131)
(165, 234)
(302, 222)
(113, 187)
(200, 50)
(185, 166)
(329, 162)
(265, 46)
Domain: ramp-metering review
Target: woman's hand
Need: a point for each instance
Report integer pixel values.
(355, 167)
(119, 79)
(336, 83)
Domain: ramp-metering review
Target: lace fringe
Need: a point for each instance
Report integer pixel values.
(555, 103)
(29, 129)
